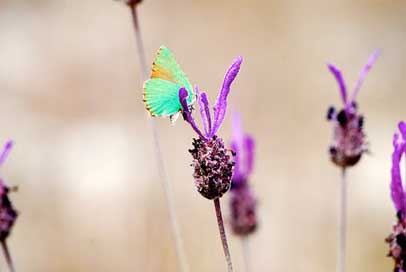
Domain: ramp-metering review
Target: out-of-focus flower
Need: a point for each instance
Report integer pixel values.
(348, 143)
(8, 214)
(397, 239)
(242, 202)
(212, 163)
(130, 2)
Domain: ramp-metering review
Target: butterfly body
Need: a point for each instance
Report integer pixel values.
(161, 91)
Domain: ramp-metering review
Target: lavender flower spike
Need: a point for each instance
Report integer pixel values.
(397, 239)
(213, 165)
(242, 203)
(348, 138)
(212, 161)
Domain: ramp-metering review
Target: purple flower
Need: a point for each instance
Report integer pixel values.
(348, 143)
(212, 164)
(8, 214)
(244, 146)
(242, 203)
(397, 239)
(397, 191)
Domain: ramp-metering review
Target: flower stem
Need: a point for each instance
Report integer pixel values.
(180, 252)
(139, 41)
(342, 223)
(7, 256)
(223, 234)
(246, 253)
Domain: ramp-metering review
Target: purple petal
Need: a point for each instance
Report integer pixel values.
(340, 80)
(249, 147)
(207, 110)
(204, 110)
(6, 151)
(402, 128)
(372, 59)
(221, 104)
(183, 94)
(397, 192)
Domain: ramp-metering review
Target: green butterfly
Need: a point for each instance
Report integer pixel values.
(161, 91)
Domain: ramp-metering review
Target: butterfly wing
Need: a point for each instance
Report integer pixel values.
(161, 97)
(161, 91)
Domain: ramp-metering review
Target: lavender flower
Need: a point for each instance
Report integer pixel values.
(212, 163)
(348, 137)
(242, 203)
(397, 239)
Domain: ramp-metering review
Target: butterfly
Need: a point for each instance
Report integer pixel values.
(161, 91)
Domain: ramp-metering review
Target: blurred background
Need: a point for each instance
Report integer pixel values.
(90, 198)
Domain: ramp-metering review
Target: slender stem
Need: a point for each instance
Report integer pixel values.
(246, 253)
(139, 41)
(7, 255)
(223, 234)
(180, 251)
(342, 223)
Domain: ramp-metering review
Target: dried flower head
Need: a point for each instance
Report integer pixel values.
(397, 239)
(212, 163)
(242, 203)
(130, 3)
(349, 142)
(8, 214)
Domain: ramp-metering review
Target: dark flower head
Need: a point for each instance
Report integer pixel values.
(349, 142)
(242, 203)
(213, 166)
(8, 214)
(397, 239)
(130, 3)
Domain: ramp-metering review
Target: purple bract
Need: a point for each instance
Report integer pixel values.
(397, 239)
(244, 145)
(397, 190)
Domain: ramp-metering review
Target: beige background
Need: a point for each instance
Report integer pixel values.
(90, 197)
